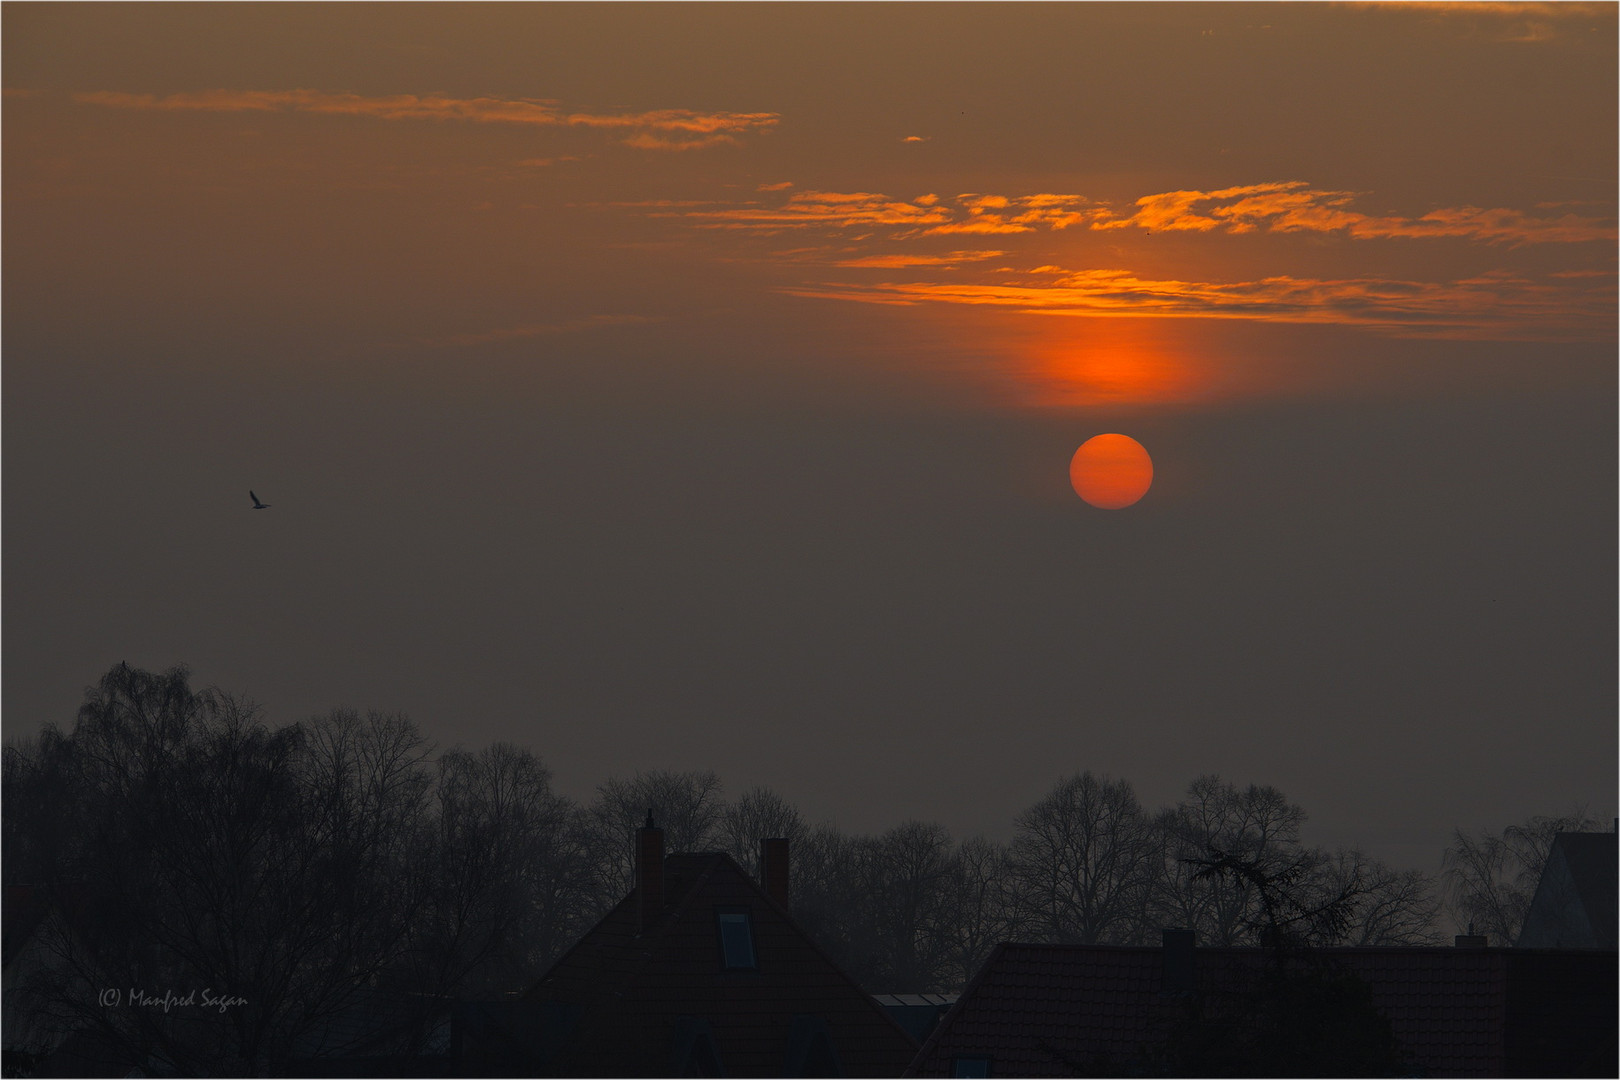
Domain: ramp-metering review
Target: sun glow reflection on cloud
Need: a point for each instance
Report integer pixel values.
(1112, 365)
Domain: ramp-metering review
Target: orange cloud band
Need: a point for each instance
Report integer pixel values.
(1294, 206)
(1496, 303)
(1280, 207)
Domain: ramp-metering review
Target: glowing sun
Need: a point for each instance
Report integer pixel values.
(1111, 472)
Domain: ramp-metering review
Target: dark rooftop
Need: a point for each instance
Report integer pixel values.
(1055, 1010)
(644, 995)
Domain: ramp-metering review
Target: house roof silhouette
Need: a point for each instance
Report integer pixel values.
(1577, 901)
(699, 971)
(1066, 1010)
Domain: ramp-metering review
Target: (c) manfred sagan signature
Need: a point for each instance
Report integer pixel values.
(205, 999)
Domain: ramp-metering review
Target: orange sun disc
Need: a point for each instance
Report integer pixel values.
(1111, 472)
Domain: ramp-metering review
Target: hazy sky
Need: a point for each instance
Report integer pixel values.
(669, 386)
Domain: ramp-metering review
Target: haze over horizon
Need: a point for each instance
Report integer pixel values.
(694, 386)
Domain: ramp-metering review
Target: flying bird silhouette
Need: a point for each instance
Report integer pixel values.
(257, 505)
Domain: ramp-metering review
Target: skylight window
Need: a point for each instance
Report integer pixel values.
(737, 940)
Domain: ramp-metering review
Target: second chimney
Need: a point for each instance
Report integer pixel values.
(773, 869)
(649, 873)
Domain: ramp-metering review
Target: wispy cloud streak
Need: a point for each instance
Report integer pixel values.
(927, 215)
(898, 262)
(659, 129)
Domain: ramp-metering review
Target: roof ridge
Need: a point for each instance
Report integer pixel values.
(568, 953)
(636, 957)
(705, 872)
(636, 968)
(929, 1044)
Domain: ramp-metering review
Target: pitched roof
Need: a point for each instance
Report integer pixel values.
(1577, 900)
(1055, 1010)
(646, 997)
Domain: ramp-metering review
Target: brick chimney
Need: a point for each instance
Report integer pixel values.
(649, 873)
(773, 869)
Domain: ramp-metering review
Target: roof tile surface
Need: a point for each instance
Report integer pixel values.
(1055, 1010)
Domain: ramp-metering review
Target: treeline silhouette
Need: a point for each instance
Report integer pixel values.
(186, 843)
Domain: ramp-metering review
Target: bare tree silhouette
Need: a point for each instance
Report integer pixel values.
(1085, 862)
(1490, 878)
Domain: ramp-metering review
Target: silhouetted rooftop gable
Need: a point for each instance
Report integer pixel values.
(647, 996)
(1577, 900)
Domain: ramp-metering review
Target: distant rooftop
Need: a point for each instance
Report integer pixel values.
(1577, 901)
